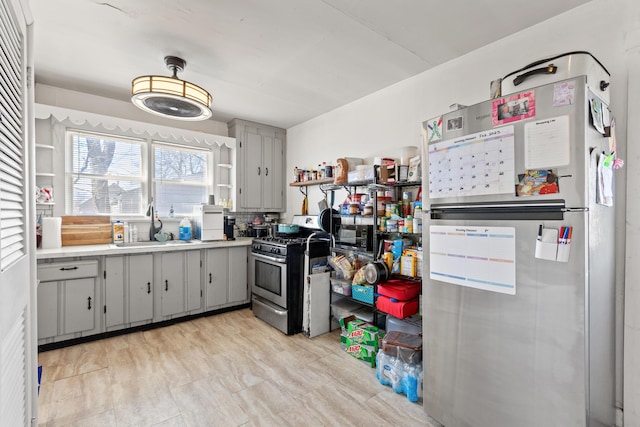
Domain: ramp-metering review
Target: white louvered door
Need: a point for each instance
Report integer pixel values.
(17, 289)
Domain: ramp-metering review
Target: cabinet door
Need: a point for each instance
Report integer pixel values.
(172, 284)
(268, 187)
(273, 187)
(194, 282)
(254, 172)
(216, 277)
(47, 309)
(140, 287)
(238, 279)
(114, 290)
(79, 305)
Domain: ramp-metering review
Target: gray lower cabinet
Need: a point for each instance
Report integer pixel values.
(136, 289)
(180, 283)
(238, 276)
(225, 277)
(128, 287)
(216, 277)
(67, 300)
(140, 298)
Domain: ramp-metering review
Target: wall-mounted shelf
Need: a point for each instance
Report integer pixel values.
(225, 185)
(45, 174)
(312, 182)
(46, 147)
(45, 204)
(225, 165)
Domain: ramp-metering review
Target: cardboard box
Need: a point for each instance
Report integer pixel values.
(360, 339)
(408, 265)
(404, 346)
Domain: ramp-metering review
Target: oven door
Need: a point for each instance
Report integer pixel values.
(268, 277)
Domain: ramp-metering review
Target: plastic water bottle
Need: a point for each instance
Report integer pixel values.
(185, 229)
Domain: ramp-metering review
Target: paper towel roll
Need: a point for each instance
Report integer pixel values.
(51, 232)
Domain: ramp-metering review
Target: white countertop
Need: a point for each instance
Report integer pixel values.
(111, 249)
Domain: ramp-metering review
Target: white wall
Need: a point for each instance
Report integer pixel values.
(381, 123)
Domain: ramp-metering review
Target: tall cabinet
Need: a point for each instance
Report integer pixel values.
(260, 184)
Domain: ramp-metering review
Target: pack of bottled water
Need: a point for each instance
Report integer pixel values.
(401, 376)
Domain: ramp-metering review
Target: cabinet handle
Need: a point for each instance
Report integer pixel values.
(166, 285)
(89, 301)
(148, 287)
(209, 277)
(259, 170)
(266, 171)
(68, 268)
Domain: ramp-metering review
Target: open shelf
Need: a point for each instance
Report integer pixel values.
(312, 182)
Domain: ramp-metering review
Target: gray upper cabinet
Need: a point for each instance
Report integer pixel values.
(260, 162)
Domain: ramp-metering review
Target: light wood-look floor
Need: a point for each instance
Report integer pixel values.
(228, 369)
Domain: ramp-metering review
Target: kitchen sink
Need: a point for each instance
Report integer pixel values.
(149, 243)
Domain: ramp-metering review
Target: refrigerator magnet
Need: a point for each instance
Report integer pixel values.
(454, 123)
(537, 182)
(513, 108)
(434, 129)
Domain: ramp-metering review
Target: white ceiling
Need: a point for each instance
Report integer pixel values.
(278, 62)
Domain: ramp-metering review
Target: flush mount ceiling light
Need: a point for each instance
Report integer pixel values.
(171, 97)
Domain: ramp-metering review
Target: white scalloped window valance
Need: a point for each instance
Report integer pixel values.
(80, 118)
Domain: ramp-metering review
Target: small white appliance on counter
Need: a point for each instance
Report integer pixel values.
(208, 222)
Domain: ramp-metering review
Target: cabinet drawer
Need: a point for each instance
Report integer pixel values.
(67, 270)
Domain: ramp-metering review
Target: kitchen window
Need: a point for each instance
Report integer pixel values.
(111, 174)
(180, 177)
(106, 174)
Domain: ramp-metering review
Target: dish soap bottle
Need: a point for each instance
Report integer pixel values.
(185, 229)
(118, 232)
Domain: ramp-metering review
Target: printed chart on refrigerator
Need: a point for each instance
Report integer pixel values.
(472, 165)
(481, 257)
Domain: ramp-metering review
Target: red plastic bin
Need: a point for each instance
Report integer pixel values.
(402, 290)
(399, 309)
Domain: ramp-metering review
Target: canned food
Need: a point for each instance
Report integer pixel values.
(382, 204)
(417, 225)
(368, 209)
(392, 226)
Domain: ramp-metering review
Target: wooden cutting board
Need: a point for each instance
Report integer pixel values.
(86, 230)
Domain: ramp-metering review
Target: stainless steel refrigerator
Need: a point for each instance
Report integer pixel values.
(518, 289)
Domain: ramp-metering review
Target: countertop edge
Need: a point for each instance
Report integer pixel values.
(108, 249)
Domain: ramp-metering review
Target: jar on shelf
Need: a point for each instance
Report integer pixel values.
(354, 209)
(368, 209)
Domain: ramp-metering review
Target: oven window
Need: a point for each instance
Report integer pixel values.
(269, 277)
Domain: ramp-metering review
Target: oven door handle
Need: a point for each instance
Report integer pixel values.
(279, 260)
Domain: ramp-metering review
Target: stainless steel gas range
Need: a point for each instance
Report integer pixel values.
(276, 274)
